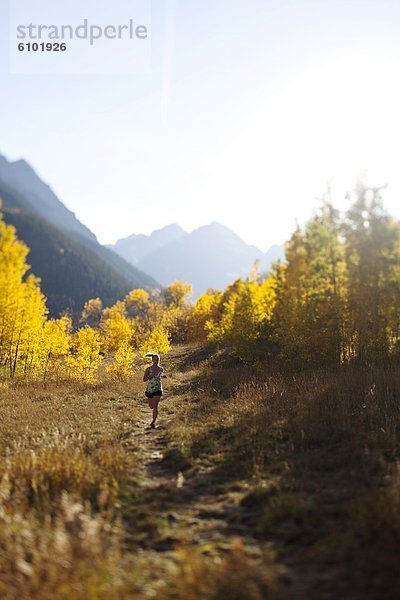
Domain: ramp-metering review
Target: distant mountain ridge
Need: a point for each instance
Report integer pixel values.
(64, 253)
(212, 256)
(136, 247)
(39, 197)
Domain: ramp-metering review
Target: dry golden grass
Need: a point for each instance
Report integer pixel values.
(315, 457)
(234, 576)
(63, 466)
(71, 554)
(308, 462)
(68, 459)
(357, 408)
(36, 471)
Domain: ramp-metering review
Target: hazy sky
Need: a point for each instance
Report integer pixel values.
(248, 109)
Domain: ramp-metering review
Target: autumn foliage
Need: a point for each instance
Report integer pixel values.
(335, 299)
(33, 346)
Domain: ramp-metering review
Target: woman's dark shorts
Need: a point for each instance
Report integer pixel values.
(152, 394)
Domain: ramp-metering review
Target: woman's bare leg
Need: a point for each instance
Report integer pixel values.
(155, 409)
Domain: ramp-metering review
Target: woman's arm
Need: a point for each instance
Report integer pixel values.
(146, 374)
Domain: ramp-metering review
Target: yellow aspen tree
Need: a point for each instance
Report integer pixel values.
(157, 342)
(31, 318)
(55, 341)
(372, 248)
(251, 318)
(25, 322)
(13, 267)
(173, 311)
(137, 304)
(115, 328)
(204, 310)
(142, 314)
(86, 358)
(177, 293)
(310, 315)
(91, 313)
(176, 319)
(122, 368)
(220, 327)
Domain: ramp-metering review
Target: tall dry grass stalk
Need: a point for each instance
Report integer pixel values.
(72, 554)
(63, 467)
(200, 577)
(37, 470)
(354, 407)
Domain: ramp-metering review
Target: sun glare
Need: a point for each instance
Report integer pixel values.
(334, 124)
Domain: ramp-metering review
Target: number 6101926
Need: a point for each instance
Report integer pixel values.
(42, 47)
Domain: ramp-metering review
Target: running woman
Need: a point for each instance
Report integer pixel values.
(154, 389)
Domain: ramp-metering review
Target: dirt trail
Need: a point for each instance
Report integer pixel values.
(167, 506)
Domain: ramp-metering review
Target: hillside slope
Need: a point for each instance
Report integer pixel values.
(64, 253)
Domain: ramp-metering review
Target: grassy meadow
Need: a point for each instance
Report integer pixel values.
(255, 485)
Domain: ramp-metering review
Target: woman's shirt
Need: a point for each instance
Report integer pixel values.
(154, 383)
